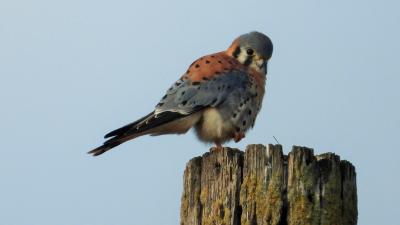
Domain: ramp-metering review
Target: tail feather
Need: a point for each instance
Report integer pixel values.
(101, 149)
(128, 127)
(138, 128)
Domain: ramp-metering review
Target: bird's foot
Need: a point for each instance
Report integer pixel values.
(217, 147)
(238, 136)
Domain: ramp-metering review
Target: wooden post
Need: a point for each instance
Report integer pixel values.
(264, 187)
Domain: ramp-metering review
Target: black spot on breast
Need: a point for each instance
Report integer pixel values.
(237, 129)
(160, 104)
(205, 78)
(241, 104)
(197, 66)
(249, 112)
(184, 103)
(164, 97)
(213, 56)
(244, 123)
(183, 92)
(195, 83)
(234, 115)
(214, 101)
(207, 62)
(219, 61)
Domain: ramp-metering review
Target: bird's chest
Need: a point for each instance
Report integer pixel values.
(214, 126)
(215, 122)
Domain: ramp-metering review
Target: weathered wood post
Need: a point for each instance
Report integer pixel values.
(262, 186)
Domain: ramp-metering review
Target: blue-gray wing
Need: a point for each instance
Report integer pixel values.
(186, 96)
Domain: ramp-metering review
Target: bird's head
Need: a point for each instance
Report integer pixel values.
(253, 49)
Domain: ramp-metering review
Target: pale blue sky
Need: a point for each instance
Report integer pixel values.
(73, 70)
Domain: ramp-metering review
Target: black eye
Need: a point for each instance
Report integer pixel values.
(250, 51)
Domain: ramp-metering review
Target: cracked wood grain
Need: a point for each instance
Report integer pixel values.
(262, 186)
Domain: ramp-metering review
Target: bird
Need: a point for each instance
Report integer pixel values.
(220, 96)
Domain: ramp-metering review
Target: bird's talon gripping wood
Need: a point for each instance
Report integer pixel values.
(217, 147)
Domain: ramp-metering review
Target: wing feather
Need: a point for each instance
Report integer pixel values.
(187, 97)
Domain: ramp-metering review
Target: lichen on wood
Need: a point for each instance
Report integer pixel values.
(263, 186)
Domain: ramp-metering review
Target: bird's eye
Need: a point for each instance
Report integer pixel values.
(250, 51)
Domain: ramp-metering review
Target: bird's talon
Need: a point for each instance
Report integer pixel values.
(217, 148)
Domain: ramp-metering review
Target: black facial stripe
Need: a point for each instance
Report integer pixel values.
(236, 52)
(248, 61)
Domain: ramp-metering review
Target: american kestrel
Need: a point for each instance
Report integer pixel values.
(220, 96)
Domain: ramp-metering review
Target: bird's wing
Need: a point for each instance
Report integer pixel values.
(186, 96)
